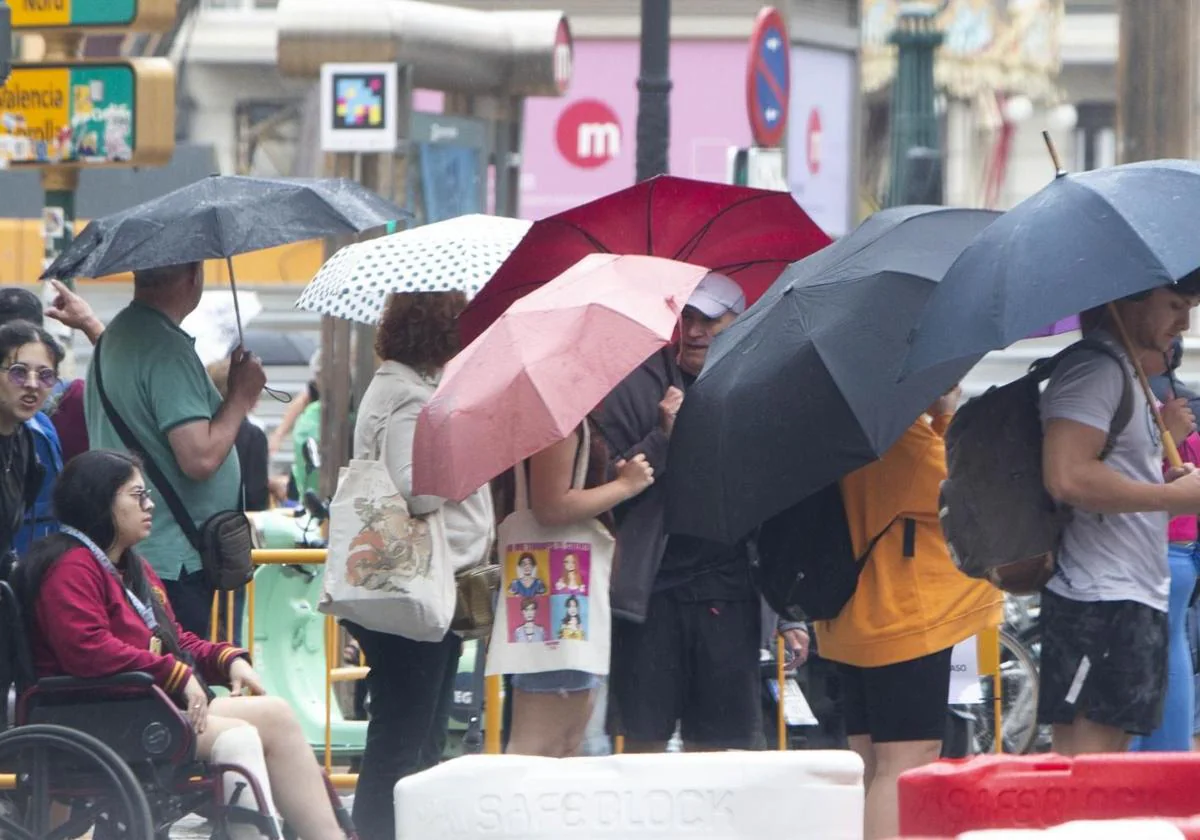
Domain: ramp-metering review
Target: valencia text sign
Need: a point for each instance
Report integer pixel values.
(87, 114)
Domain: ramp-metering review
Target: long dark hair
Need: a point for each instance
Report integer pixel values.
(83, 499)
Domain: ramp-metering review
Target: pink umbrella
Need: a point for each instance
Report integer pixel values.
(548, 361)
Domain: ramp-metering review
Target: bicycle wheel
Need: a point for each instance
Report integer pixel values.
(1018, 701)
(100, 786)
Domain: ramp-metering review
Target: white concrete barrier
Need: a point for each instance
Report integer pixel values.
(717, 796)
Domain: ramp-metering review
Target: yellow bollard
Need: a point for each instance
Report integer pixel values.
(780, 676)
(493, 714)
(988, 647)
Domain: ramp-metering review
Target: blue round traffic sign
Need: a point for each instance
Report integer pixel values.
(768, 78)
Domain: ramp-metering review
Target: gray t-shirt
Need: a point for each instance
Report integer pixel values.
(1110, 557)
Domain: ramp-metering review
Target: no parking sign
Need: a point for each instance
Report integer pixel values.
(768, 78)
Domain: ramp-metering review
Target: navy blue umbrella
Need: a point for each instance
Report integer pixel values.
(803, 388)
(1083, 241)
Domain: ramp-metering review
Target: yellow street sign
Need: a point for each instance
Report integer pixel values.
(88, 114)
(93, 15)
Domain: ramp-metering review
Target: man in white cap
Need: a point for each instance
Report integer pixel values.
(687, 619)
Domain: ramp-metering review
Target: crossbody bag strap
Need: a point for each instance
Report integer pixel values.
(174, 503)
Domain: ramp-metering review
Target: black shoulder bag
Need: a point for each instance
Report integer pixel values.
(224, 541)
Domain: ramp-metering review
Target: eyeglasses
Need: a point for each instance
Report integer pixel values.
(143, 498)
(19, 374)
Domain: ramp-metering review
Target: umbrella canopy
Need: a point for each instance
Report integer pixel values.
(218, 218)
(750, 235)
(455, 255)
(803, 389)
(537, 372)
(1082, 241)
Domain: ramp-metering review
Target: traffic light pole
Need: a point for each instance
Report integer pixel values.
(654, 90)
(59, 183)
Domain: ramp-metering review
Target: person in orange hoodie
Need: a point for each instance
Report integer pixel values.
(893, 639)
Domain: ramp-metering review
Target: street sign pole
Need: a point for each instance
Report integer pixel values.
(59, 183)
(5, 40)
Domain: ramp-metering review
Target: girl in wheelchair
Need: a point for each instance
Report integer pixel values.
(97, 609)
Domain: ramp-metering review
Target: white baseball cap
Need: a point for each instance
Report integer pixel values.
(716, 295)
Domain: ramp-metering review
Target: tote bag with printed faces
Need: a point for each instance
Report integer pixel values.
(386, 570)
(553, 610)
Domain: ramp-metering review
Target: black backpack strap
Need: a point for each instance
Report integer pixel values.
(174, 503)
(1043, 369)
(866, 555)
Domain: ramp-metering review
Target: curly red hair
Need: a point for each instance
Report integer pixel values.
(418, 329)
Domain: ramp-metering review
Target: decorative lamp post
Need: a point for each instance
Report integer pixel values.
(914, 155)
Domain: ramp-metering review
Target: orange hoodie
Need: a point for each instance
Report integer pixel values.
(911, 600)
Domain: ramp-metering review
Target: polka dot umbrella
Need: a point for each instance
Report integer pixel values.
(458, 254)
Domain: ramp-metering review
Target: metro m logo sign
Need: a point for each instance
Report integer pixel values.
(588, 134)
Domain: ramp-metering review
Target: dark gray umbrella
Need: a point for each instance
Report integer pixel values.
(803, 388)
(1083, 241)
(218, 218)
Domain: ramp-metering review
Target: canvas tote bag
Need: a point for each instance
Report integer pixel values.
(386, 570)
(553, 611)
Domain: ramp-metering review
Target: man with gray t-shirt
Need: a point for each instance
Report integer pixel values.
(1104, 614)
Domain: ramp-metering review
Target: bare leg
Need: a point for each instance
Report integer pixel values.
(861, 744)
(1085, 736)
(550, 725)
(892, 759)
(295, 775)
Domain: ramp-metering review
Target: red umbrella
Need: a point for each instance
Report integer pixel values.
(749, 234)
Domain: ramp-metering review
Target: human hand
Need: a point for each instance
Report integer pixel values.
(246, 376)
(244, 681)
(1177, 473)
(1179, 419)
(947, 403)
(796, 642)
(672, 401)
(197, 704)
(635, 474)
(73, 311)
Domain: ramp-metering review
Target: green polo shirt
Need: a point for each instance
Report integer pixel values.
(156, 382)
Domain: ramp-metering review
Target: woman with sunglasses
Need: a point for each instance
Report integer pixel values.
(29, 360)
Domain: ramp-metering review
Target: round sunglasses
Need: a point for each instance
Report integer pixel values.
(19, 374)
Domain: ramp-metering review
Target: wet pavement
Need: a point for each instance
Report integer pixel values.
(195, 828)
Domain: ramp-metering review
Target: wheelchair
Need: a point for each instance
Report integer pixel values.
(115, 755)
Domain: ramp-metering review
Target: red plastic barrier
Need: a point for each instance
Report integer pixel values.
(1136, 829)
(1038, 791)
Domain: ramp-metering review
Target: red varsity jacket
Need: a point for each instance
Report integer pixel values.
(86, 628)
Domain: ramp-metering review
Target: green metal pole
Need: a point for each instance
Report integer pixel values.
(58, 213)
(914, 121)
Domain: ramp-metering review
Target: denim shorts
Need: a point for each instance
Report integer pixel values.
(555, 682)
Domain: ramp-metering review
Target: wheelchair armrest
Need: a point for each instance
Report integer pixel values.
(130, 679)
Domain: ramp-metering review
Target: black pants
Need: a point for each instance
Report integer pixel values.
(411, 685)
(191, 599)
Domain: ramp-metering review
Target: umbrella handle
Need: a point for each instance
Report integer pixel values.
(1169, 446)
(237, 309)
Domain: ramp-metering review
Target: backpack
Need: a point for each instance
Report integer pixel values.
(1000, 522)
(802, 559)
(39, 519)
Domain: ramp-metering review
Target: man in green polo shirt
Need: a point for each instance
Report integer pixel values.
(159, 387)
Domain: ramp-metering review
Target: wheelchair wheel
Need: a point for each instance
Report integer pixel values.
(54, 764)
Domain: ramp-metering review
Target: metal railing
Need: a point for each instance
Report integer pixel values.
(335, 671)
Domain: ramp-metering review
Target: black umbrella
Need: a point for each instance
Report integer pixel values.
(803, 388)
(1083, 241)
(218, 218)
(281, 348)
